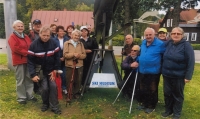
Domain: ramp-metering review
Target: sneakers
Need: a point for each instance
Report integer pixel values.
(166, 114)
(149, 110)
(57, 111)
(22, 102)
(64, 91)
(33, 99)
(175, 117)
(44, 108)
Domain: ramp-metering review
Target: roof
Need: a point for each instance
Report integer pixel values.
(188, 15)
(64, 18)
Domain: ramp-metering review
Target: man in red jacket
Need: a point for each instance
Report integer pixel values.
(19, 44)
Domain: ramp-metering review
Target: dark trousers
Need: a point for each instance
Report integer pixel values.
(77, 79)
(63, 77)
(128, 88)
(173, 94)
(86, 67)
(49, 92)
(148, 89)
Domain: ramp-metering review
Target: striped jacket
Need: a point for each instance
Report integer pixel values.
(45, 54)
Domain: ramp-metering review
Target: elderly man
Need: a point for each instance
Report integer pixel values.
(150, 63)
(129, 45)
(129, 65)
(34, 34)
(45, 52)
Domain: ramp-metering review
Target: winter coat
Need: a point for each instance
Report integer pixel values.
(178, 60)
(19, 47)
(150, 57)
(68, 53)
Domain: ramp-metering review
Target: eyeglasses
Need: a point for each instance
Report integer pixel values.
(134, 50)
(176, 34)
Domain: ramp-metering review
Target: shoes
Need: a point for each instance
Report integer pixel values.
(22, 102)
(149, 110)
(166, 114)
(57, 111)
(64, 91)
(140, 107)
(44, 108)
(33, 99)
(175, 117)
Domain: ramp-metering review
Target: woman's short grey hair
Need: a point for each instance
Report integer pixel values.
(45, 28)
(76, 31)
(179, 29)
(15, 22)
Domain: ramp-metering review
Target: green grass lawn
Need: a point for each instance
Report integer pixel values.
(3, 59)
(95, 104)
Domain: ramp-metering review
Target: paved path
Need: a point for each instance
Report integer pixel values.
(117, 50)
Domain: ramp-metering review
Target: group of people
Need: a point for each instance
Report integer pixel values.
(51, 50)
(172, 57)
(46, 52)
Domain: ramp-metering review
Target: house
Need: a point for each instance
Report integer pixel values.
(64, 18)
(189, 21)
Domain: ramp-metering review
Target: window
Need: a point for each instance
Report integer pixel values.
(193, 36)
(168, 22)
(171, 22)
(186, 36)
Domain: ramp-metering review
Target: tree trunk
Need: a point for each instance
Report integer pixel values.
(176, 14)
(127, 16)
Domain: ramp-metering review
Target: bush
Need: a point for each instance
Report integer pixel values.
(196, 46)
(119, 40)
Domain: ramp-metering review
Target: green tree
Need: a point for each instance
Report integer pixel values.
(2, 22)
(84, 7)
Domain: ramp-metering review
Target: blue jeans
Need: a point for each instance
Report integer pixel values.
(63, 77)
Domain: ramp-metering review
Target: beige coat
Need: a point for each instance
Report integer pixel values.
(68, 53)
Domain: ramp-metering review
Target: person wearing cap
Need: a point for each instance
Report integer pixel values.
(129, 44)
(128, 65)
(151, 53)
(162, 34)
(34, 35)
(89, 44)
(69, 30)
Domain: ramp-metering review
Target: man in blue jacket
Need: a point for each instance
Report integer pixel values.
(149, 68)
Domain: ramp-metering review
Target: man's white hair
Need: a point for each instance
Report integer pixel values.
(17, 21)
(149, 28)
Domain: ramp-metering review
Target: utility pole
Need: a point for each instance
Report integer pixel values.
(10, 15)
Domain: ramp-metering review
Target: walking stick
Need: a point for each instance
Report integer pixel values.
(70, 88)
(133, 92)
(123, 87)
(122, 60)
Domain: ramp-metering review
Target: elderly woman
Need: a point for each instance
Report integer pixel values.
(177, 70)
(74, 52)
(19, 44)
(89, 44)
